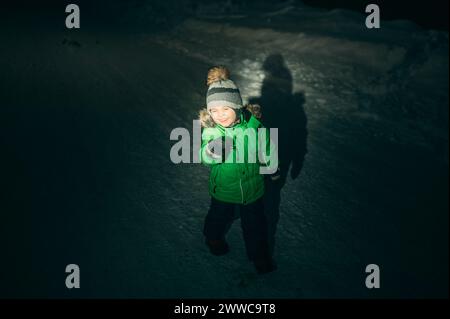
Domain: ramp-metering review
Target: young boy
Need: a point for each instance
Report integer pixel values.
(230, 146)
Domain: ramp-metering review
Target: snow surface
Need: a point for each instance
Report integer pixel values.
(87, 118)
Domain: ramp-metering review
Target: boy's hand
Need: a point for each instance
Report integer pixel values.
(220, 148)
(275, 176)
(296, 169)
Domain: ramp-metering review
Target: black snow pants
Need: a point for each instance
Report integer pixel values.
(253, 222)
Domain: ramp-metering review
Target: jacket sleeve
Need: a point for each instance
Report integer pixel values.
(207, 157)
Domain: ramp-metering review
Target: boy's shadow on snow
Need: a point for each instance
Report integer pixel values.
(282, 109)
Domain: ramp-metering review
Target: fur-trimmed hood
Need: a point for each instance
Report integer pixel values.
(250, 109)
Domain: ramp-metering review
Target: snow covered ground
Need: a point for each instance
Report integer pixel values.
(87, 117)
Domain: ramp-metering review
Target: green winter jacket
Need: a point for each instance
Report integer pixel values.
(238, 179)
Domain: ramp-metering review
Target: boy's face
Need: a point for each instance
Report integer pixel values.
(223, 115)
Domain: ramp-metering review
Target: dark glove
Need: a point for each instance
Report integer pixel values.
(275, 176)
(220, 148)
(295, 169)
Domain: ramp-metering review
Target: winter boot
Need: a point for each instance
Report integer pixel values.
(217, 247)
(265, 266)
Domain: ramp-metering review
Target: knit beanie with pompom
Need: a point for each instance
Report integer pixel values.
(221, 90)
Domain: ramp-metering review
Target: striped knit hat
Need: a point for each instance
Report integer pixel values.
(221, 90)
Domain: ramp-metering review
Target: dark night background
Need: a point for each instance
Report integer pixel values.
(429, 14)
(87, 179)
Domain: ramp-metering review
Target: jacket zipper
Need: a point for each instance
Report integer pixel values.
(242, 192)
